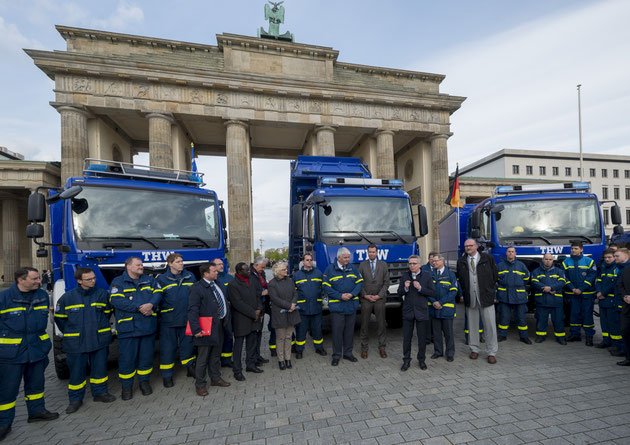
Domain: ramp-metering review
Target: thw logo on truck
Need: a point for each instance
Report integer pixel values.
(551, 249)
(156, 255)
(381, 254)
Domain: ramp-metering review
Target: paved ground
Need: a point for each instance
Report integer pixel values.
(543, 393)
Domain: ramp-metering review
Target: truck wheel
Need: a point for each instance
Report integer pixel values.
(61, 367)
(394, 318)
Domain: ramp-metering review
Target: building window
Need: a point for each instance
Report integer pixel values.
(579, 172)
(515, 170)
(615, 173)
(604, 173)
(529, 170)
(567, 171)
(606, 217)
(542, 170)
(604, 192)
(626, 174)
(554, 171)
(592, 172)
(627, 193)
(628, 217)
(616, 193)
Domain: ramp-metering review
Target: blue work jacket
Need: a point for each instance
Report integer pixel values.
(223, 279)
(309, 287)
(126, 296)
(174, 301)
(339, 281)
(23, 321)
(512, 280)
(581, 274)
(445, 294)
(83, 317)
(552, 277)
(606, 283)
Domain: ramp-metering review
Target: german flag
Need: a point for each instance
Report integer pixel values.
(453, 195)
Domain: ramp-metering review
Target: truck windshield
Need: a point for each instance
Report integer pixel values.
(541, 220)
(128, 214)
(373, 216)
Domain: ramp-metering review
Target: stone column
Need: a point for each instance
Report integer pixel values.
(74, 141)
(439, 173)
(385, 154)
(160, 148)
(10, 238)
(325, 135)
(239, 192)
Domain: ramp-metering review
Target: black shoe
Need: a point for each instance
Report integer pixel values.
(602, 345)
(104, 398)
(226, 365)
(239, 377)
(540, 339)
(261, 361)
(298, 355)
(434, 356)
(334, 362)
(449, 359)
(466, 341)
(572, 338)
(288, 364)
(404, 366)
(127, 393)
(168, 382)
(526, 340)
(43, 416)
(589, 341)
(282, 365)
(190, 369)
(625, 362)
(255, 370)
(423, 365)
(562, 341)
(350, 358)
(4, 431)
(501, 338)
(74, 407)
(274, 353)
(145, 388)
(321, 351)
(617, 353)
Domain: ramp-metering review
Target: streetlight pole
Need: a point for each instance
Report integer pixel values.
(580, 130)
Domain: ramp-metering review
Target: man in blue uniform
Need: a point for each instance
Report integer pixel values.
(547, 282)
(24, 347)
(512, 295)
(223, 279)
(82, 315)
(308, 281)
(605, 293)
(342, 283)
(134, 297)
(175, 284)
(580, 274)
(442, 309)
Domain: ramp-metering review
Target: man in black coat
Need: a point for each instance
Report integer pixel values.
(247, 313)
(207, 300)
(416, 286)
(623, 290)
(477, 274)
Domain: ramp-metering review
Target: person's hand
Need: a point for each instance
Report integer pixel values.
(346, 296)
(437, 305)
(146, 309)
(546, 289)
(600, 296)
(200, 334)
(265, 292)
(258, 311)
(416, 285)
(407, 284)
(292, 307)
(577, 291)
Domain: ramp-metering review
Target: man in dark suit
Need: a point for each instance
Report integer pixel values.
(207, 300)
(416, 287)
(477, 274)
(373, 295)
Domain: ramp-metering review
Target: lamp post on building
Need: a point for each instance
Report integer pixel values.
(580, 130)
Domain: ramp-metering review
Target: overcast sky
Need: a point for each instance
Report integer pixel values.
(518, 63)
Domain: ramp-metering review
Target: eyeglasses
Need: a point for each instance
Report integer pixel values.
(308, 259)
(89, 279)
(413, 264)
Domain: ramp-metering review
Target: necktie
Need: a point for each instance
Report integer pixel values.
(219, 300)
(472, 264)
(373, 268)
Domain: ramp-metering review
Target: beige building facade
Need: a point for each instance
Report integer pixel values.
(119, 95)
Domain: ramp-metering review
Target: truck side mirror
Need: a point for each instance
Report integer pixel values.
(475, 221)
(223, 218)
(296, 221)
(475, 233)
(36, 208)
(497, 209)
(225, 235)
(423, 226)
(618, 230)
(34, 230)
(615, 215)
(71, 192)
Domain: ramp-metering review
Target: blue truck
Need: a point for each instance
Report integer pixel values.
(536, 219)
(335, 202)
(117, 210)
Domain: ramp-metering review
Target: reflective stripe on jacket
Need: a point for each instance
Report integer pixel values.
(174, 302)
(339, 281)
(309, 287)
(512, 280)
(552, 277)
(126, 296)
(581, 274)
(446, 289)
(606, 283)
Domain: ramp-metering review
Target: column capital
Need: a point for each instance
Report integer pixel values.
(160, 115)
(440, 136)
(231, 122)
(384, 131)
(319, 128)
(80, 109)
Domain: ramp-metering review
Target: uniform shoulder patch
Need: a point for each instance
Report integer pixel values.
(113, 290)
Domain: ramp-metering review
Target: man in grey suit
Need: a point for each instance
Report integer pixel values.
(373, 295)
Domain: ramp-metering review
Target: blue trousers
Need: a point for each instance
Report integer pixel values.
(228, 344)
(312, 324)
(582, 316)
(610, 320)
(12, 374)
(542, 320)
(342, 334)
(466, 325)
(172, 338)
(505, 316)
(136, 356)
(78, 371)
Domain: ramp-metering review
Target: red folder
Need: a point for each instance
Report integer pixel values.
(206, 326)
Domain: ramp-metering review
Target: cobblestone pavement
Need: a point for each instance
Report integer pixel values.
(543, 393)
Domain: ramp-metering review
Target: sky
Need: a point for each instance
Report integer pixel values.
(518, 64)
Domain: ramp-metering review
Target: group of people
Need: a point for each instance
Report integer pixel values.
(207, 322)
